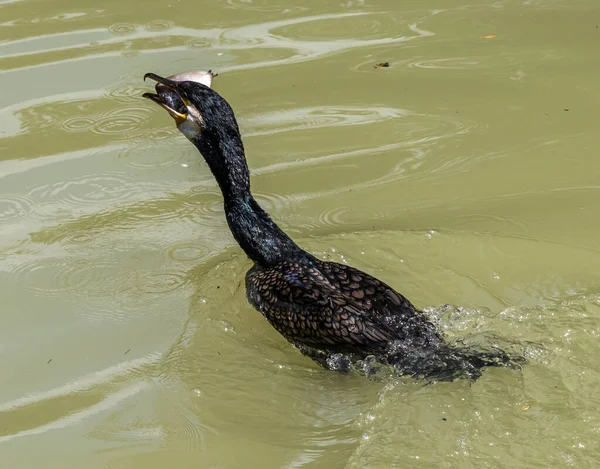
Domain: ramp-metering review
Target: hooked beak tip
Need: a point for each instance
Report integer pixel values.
(152, 76)
(161, 80)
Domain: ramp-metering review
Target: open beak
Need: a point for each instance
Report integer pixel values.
(178, 116)
(168, 97)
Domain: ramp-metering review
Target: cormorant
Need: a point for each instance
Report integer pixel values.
(334, 313)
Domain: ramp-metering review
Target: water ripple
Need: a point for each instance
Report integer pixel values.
(76, 417)
(188, 252)
(418, 133)
(122, 29)
(264, 6)
(508, 63)
(15, 207)
(197, 43)
(95, 278)
(159, 25)
(125, 91)
(260, 35)
(79, 237)
(156, 148)
(160, 282)
(174, 207)
(90, 189)
(122, 122)
(274, 203)
(343, 216)
(318, 116)
(77, 124)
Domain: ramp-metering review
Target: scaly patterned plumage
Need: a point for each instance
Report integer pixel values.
(335, 307)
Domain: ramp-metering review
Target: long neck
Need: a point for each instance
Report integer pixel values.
(260, 238)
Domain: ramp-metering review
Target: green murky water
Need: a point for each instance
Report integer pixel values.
(464, 174)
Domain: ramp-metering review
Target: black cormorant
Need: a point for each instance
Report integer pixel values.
(334, 313)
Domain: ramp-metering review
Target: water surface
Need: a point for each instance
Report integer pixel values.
(465, 174)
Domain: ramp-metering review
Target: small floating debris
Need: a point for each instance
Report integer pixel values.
(490, 36)
(382, 65)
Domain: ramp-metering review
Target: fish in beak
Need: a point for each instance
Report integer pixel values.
(168, 95)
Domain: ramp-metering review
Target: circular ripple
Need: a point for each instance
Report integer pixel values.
(53, 277)
(159, 25)
(342, 215)
(125, 92)
(273, 203)
(178, 207)
(101, 278)
(122, 29)
(197, 43)
(77, 124)
(78, 238)
(159, 209)
(161, 134)
(154, 282)
(42, 277)
(90, 189)
(207, 210)
(14, 207)
(186, 252)
(121, 121)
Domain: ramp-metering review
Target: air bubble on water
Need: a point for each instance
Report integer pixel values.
(227, 326)
(338, 362)
(197, 392)
(495, 276)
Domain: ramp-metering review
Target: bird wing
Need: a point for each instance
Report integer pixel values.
(306, 303)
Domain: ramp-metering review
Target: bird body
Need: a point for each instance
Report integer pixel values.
(323, 308)
(335, 306)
